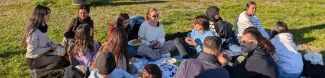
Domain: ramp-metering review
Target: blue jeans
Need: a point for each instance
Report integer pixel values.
(283, 74)
(132, 50)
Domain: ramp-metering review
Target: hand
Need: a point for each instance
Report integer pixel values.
(223, 59)
(53, 47)
(154, 41)
(187, 40)
(193, 43)
(141, 38)
(158, 45)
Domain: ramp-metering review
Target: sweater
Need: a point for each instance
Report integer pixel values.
(244, 21)
(287, 56)
(116, 73)
(205, 66)
(150, 33)
(88, 57)
(36, 44)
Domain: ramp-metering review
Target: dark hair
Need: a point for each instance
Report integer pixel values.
(250, 3)
(151, 71)
(146, 17)
(261, 40)
(117, 44)
(86, 7)
(279, 27)
(212, 42)
(34, 21)
(120, 19)
(203, 21)
(83, 40)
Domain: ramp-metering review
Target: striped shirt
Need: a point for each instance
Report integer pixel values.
(244, 21)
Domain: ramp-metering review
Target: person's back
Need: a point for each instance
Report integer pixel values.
(287, 56)
(201, 68)
(207, 64)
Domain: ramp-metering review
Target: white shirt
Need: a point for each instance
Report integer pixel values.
(150, 33)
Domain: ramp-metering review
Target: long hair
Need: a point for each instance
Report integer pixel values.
(122, 17)
(117, 44)
(34, 21)
(261, 40)
(146, 17)
(83, 40)
(279, 27)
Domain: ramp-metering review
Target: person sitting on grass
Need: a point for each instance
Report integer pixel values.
(287, 56)
(258, 62)
(118, 45)
(85, 49)
(151, 71)
(193, 43)
(208, 64)
(124, 23)
(82, 18)
(106, 67)
(152, 33)
(248, 18)
(37, 43)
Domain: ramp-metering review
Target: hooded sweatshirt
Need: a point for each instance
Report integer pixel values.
(287, 56)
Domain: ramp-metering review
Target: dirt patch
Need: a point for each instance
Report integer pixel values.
(6, 2)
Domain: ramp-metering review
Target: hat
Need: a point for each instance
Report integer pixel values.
(105, 63)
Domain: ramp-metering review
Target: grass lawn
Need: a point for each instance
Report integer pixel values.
(304, 17)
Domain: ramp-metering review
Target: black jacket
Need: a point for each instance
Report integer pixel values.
(73, 25)
(205, 66)
(257, 64)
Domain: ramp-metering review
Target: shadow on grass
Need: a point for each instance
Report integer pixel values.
(113, 3)
(299, 32)
(9, 54)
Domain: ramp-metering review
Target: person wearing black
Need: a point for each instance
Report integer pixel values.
(258, 62)
(221, 28)
(83, 17)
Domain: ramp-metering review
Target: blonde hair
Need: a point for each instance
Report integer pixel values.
(146, 17)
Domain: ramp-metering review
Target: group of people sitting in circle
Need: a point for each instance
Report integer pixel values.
(266, 55)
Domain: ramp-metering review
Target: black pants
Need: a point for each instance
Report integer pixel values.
(47, 62)
(184, 49)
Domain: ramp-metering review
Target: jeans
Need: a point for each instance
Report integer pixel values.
(283, 74)
(184, 49)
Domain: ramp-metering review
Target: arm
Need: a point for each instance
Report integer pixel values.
(181, 71)
(260, 27)
(69, 29)
(162, 36)
(142, 33)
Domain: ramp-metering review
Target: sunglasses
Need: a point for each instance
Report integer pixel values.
(243, 41)
(156, 16)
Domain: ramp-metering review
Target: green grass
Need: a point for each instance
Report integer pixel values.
(304, 17)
